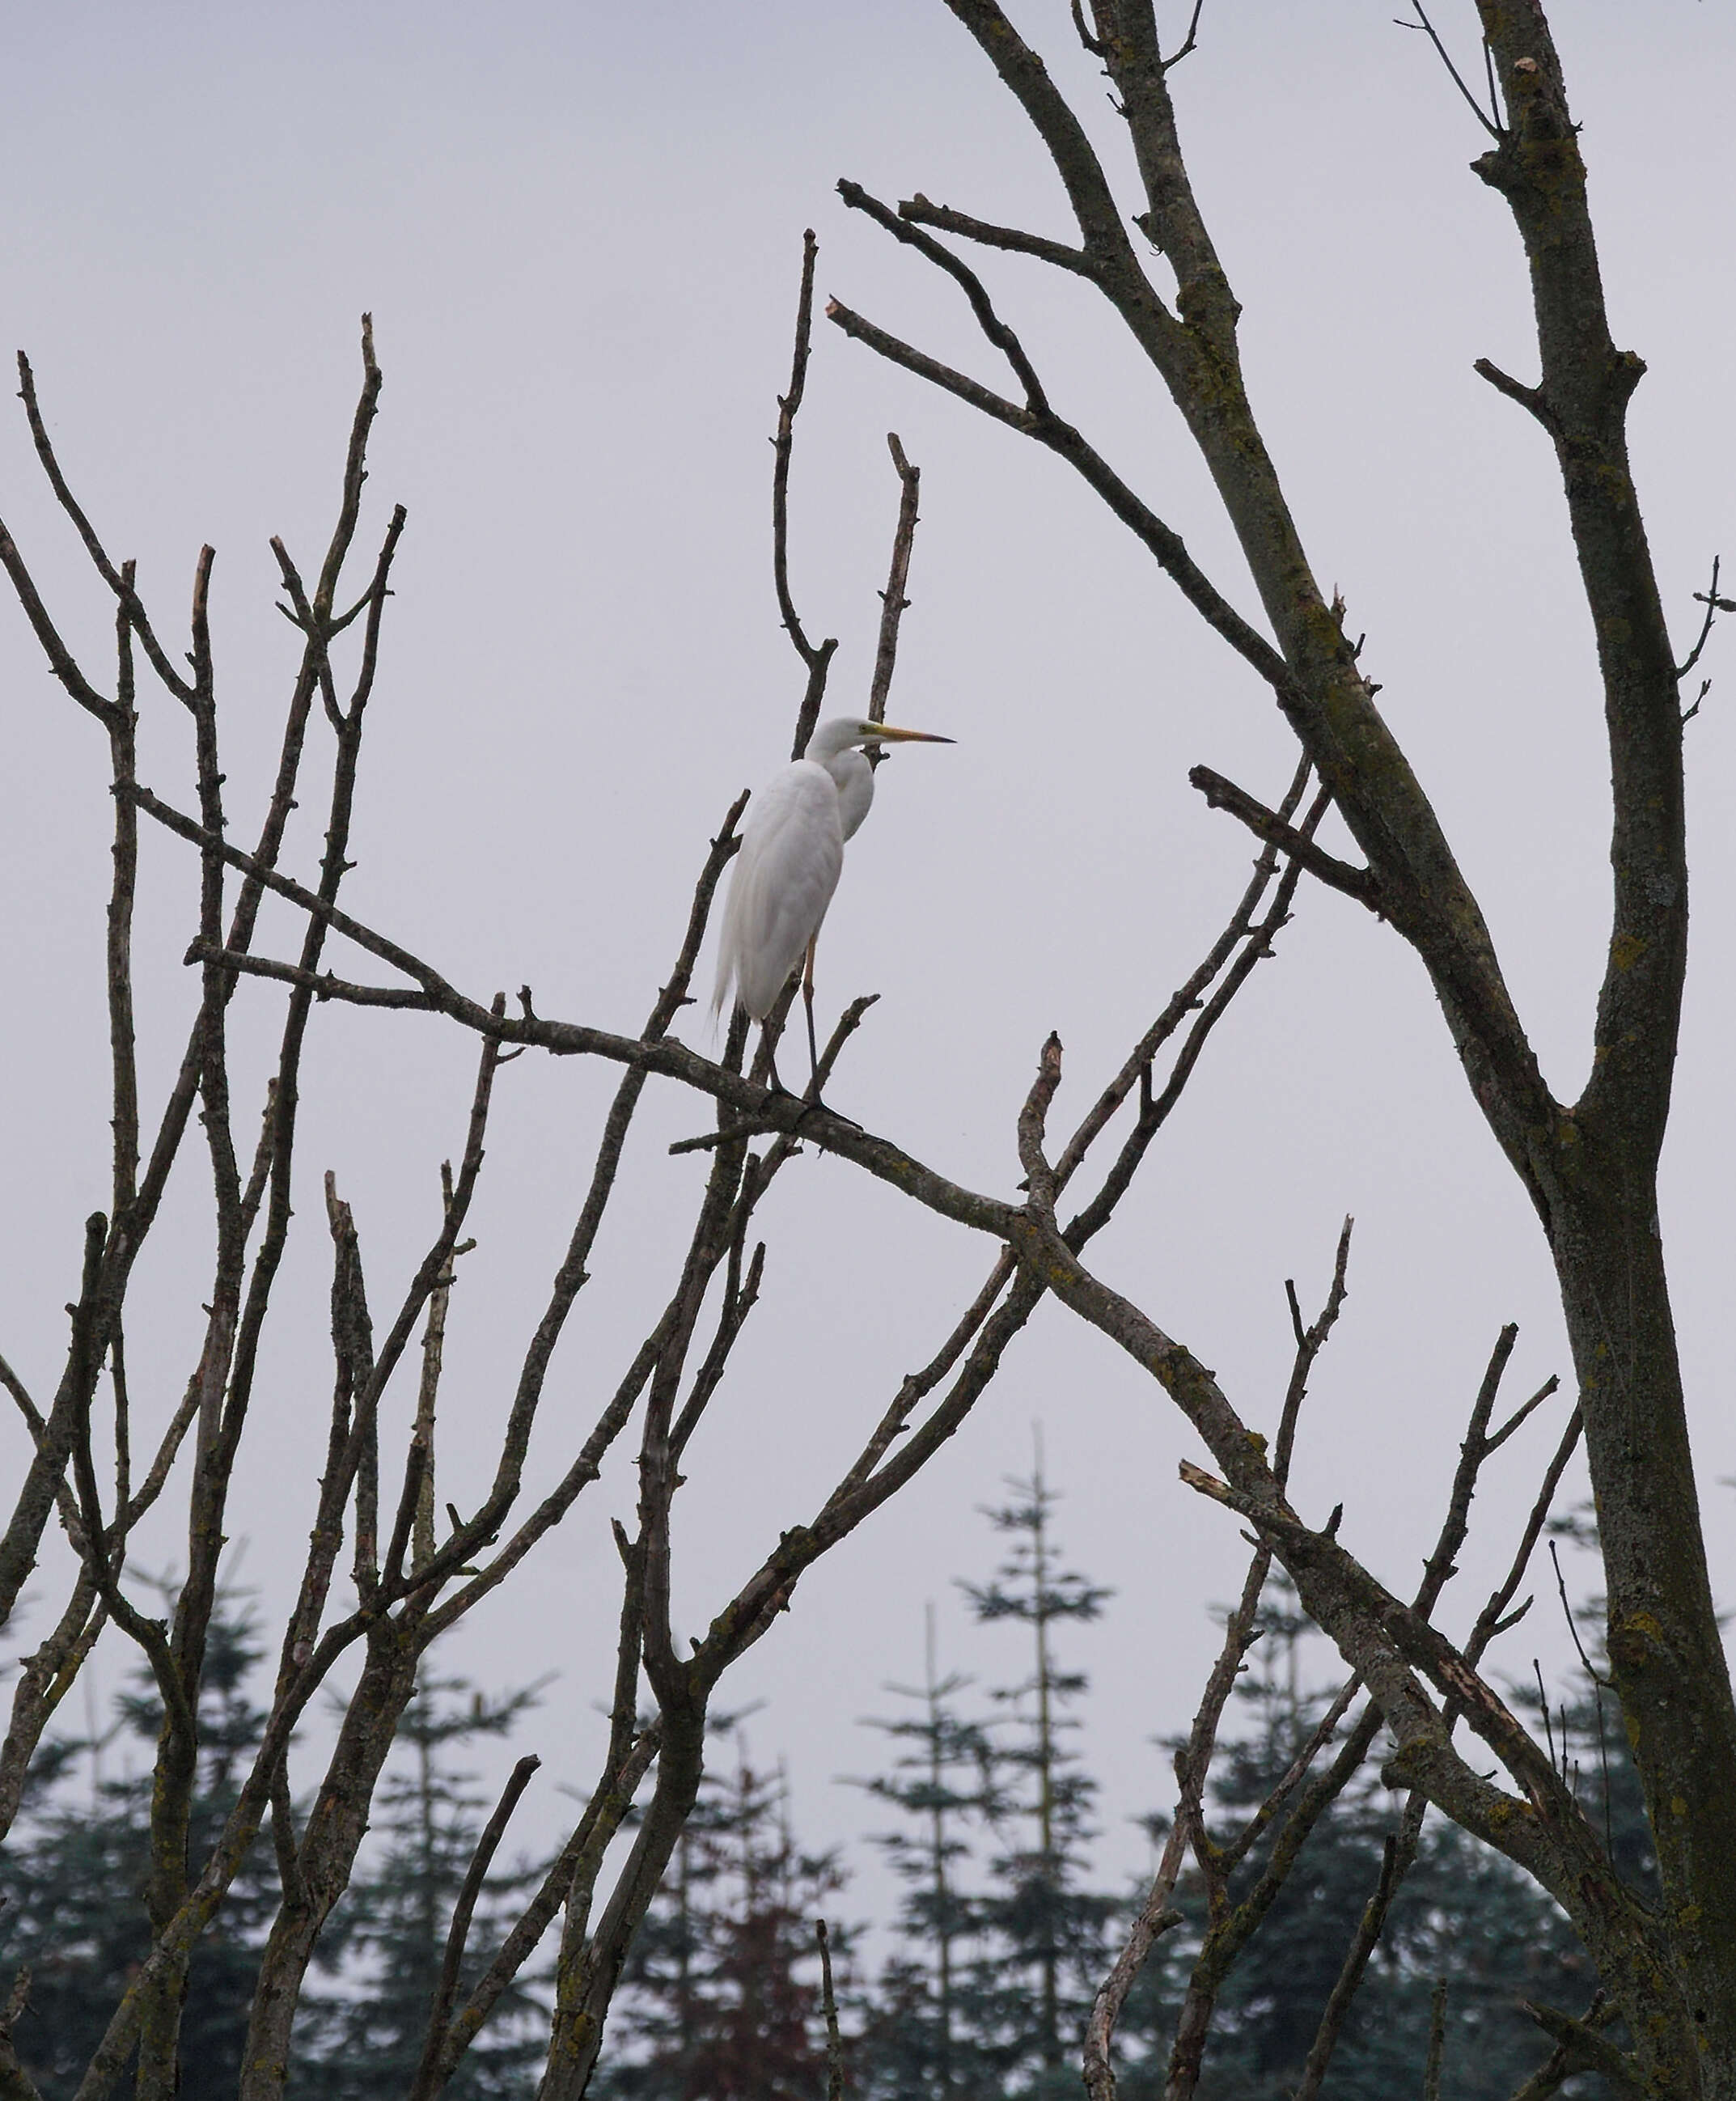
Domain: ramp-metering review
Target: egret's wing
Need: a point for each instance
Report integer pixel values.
(792, 853)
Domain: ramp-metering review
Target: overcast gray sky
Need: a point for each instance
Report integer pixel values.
(578, 230)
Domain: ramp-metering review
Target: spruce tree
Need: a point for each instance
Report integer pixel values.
(923, 2039)
(82, 1851)
(720, 1998)
(1462, 1914)
(1043, 1955)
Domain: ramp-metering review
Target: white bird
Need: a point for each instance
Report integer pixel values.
(792, 854)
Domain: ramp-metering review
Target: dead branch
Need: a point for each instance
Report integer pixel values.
(815, 657)
(893, 602)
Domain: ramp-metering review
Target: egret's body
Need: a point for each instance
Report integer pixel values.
(792, 855)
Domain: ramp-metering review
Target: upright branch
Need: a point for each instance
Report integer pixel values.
(816, 657)
(1581, 401)
(1294, 1806)
(452, 1959)
(894, 604)
(830, 2008)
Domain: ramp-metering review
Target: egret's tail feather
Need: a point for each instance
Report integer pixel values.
(721, 1002)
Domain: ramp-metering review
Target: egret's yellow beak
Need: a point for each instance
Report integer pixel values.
(885, 734)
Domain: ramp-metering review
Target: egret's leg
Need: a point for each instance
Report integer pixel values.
(807, 1001)
(778, 1086)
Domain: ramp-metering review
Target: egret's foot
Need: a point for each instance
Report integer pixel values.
(811, 1100)
(775, 1086)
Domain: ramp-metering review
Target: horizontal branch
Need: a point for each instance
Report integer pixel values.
(769, 1108)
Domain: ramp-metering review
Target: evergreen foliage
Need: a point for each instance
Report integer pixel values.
(84, 1840)
(722, 1998)
(925, 2035)
(1461, 1914)
(1045, 1954)
(83, 1851)
(1002, 1934)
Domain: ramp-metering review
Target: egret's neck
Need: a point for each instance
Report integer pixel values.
(855, 785)
(830, 739)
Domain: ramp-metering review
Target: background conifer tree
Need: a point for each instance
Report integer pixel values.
(924, 2036)
(84, 1852)
(721, 2000)
(1461, 1914)
(1043, 1956)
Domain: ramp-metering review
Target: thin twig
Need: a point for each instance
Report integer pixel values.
(1191, 40)
(1346, 1985)
(1221, 795)
(1491, 125)
(919, 211)
(1310, 1341)
(604, 1813)
(905, 229)
(16, 2083)
(1600, 1686)
(427, 2082)
(1714, 605)
(119, 581)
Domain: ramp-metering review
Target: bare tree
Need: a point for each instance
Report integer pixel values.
(381, 1580)
(1588, 1168)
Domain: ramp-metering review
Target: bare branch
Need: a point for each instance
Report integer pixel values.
(1531, 399)
(829, 2009)
(816, 658)
(16, 2083)
(452, 1960)
(1714, 605)
(1360, 883)
(920, 212)
(568, 1881)
(1368, 1931)
(1491, 124)
(119, 581)
(894, 603)
(904, 228)
(1437, 2042)
(1588, 2049)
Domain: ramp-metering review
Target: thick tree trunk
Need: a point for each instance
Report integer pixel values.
(1665, 1653)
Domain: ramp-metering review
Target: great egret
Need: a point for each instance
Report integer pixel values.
(792, 854)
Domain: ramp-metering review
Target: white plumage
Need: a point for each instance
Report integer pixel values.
(792, 855)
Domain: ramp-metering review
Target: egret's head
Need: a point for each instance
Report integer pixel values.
(845, 733)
